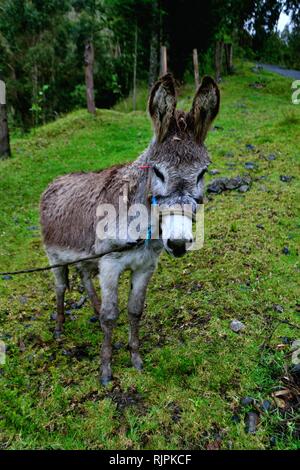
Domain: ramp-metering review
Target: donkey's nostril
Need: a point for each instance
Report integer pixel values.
(177, 247)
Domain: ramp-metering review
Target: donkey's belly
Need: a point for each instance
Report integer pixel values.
(142, 258)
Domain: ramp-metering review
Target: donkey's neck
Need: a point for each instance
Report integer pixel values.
(137, 176)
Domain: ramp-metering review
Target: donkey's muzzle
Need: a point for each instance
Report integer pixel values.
(177, 247)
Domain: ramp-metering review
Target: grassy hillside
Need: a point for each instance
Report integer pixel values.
(197, 371)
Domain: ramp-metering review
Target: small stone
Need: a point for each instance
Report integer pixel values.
(23, 299)
(285, 178)
(251, 423)
(6, 277)
(271, 157)
(285, 250)
(272, 441)
(244, 188)
(278, 308)
(250, 147)
(266, 405)
(118, 345)
(237, 326)
(67, 352)
(214, 172)
(247, 401)
(250, 166)
(260, 226)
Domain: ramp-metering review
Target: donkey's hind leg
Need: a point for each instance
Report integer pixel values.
(139, 283)
(86, 279)
(61, 284)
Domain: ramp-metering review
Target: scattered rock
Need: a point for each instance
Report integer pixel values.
(265, 406)
(260, 226)
(244, 188)
(250, 147)
(251, 423)
(247, 401)
(237, 326)
(218, 185)
(6, 277)
(271, 157)
(285, 250)
(250, 166)
(278, 308)
(23, 299)
(214, 172)
(285, 178)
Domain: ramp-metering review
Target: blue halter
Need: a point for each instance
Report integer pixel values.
(149, 232)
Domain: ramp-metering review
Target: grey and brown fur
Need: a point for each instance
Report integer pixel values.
(177, 160)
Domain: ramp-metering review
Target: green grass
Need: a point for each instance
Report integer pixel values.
(196, 369)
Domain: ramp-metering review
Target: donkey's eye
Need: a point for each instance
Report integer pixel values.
(159, 174)
(201, 174)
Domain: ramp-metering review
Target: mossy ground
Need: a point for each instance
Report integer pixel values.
(196, 369)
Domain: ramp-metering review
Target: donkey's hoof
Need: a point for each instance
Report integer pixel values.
(105, 380)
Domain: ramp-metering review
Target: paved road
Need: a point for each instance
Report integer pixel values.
(285, 72)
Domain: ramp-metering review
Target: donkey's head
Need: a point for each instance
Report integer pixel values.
(178, 156)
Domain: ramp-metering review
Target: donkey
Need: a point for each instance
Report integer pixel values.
(170, 172)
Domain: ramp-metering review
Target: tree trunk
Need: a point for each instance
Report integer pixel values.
(134, 68)
(4, 134)
(228, 56)
(89, 76)
(218, 59)
(196, 67)
(153, 66)
(163, 60)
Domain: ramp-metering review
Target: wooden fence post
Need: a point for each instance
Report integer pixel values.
(218, 59)
(4, 132)
(163, 60)
(196, 67)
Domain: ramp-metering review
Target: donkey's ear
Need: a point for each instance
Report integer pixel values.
(205, 107)
(162, 103)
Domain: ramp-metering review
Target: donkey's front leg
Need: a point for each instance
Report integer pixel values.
(110, 271)
(139, 283)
